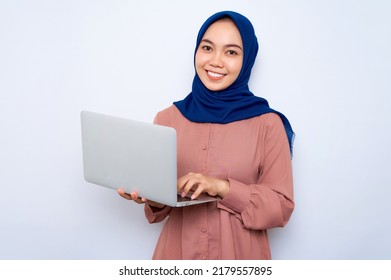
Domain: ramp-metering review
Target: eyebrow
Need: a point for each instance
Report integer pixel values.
(227, 46)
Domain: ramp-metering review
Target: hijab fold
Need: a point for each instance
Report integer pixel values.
(236, 102)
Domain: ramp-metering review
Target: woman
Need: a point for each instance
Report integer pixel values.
(232, 145)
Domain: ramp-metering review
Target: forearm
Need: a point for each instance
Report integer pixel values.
(258, 206)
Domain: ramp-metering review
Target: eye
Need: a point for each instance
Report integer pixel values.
(206, 48)
(232, 52)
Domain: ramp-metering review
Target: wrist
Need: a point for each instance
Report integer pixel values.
(156, 208)
(224, 188)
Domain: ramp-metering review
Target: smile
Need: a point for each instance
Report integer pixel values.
(215, 75)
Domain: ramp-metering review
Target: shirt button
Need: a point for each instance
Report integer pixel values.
(204, 229)
(204, 257)
(204, 147)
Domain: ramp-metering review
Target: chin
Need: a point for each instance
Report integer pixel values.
(216, 89)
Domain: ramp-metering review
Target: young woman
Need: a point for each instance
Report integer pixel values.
(232, 145)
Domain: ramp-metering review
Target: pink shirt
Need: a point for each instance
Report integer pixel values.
(253, 154)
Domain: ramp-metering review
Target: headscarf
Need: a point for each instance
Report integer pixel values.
(236, 102)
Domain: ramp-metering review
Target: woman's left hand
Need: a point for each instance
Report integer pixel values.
(202, 184)
(140, 200)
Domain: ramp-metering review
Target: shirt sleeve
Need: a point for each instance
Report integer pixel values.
(268, 203)
(156, 215)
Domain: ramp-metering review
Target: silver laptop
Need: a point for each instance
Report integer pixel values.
(133, 155)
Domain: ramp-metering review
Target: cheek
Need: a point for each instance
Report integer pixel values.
(200, 65)
(235, 67)
(200, 60)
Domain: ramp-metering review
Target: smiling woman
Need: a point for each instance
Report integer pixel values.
(230, 144)
(219, 57)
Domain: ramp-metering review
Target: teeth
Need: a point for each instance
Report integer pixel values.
(215, 75)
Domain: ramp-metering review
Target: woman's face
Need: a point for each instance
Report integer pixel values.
(219, 57)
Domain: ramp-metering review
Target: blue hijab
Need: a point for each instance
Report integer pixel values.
(236, 102)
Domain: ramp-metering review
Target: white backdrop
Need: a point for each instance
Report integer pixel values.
(325, 64)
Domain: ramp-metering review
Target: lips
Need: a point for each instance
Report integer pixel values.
(214, 75)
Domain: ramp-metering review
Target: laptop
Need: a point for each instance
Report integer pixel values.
(136, 156)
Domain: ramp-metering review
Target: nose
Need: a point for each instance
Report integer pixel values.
(216, 60)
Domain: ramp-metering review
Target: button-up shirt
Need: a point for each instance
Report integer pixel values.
(254, 156)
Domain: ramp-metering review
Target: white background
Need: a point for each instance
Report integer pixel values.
(325, 64)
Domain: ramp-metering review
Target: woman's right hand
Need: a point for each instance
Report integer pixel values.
(140, 200)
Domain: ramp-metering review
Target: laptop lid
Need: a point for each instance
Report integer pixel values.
(133, 155)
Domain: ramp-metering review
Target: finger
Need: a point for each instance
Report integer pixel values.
(191, 185)
(183, 180)
(122, 193)
(181, 188)
(136, 198)
(132, 196)
(198, 191)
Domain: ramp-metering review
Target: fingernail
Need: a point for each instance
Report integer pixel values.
(183, 194)
(193, 196)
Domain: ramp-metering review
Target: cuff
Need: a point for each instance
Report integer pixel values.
(238, 196)
(155, 215)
